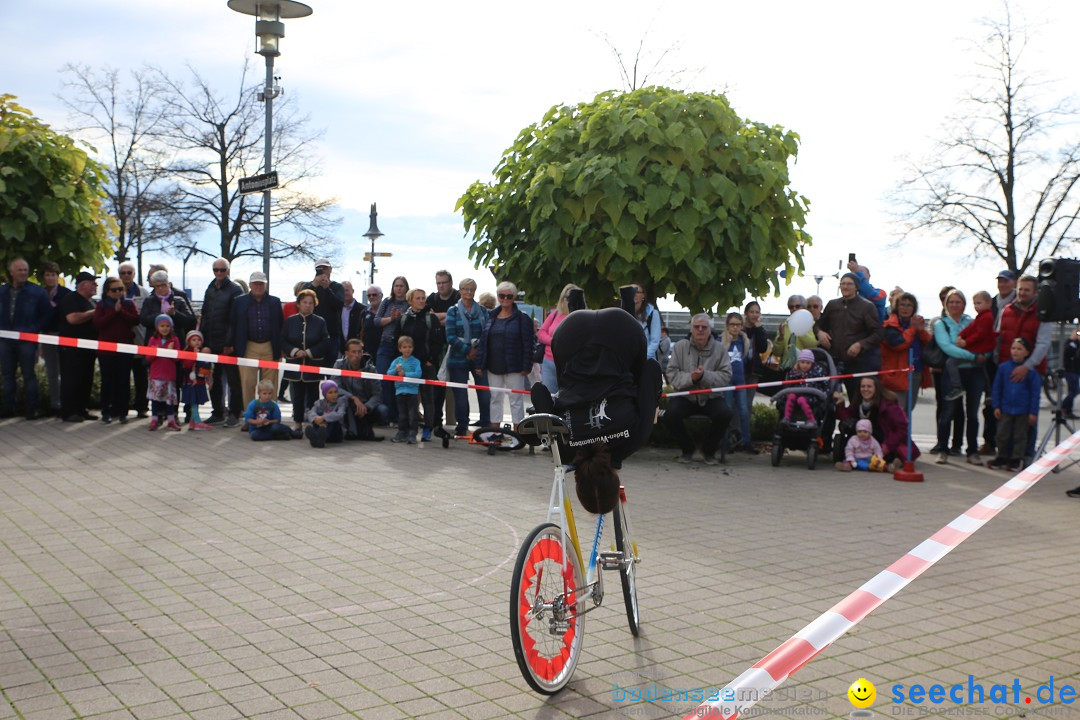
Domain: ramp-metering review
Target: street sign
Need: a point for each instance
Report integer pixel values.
(258, 183)
(367, 256)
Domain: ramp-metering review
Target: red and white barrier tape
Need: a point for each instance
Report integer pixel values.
(756, 683)
(778, 383)
(105, 346)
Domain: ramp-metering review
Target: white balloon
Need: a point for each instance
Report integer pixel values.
(800, 322)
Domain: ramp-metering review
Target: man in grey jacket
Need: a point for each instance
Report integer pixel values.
(699, 363)
(365, 396)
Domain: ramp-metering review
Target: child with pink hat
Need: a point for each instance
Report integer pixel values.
(326, 416)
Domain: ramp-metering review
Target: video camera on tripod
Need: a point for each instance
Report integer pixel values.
(1059, 290)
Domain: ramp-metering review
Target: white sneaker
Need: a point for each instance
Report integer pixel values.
(942, 458)
(974, 459)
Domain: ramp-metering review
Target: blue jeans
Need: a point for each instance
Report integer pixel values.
(383, 358)
(18, 354)
(547, 376)
(463, 374)
(739, 403)
(973, 380)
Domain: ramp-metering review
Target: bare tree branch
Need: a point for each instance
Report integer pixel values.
(994, 182)
(219, 139)
(126, 119)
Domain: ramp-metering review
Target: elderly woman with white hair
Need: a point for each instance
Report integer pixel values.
(505, 352)
(163, 300)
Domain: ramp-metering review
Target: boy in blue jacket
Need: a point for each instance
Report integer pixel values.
(1016, 407)
(263, 416)
(408, 394)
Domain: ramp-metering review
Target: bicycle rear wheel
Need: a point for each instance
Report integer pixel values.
(547, 640)
(624, 543)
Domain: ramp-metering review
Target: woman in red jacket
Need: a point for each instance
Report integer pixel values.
(115, 318)
(904, 330)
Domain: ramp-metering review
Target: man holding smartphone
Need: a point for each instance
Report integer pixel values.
(331, 297)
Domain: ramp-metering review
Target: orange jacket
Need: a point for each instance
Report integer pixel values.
(894, 357)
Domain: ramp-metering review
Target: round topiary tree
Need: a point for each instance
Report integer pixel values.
(666, 188)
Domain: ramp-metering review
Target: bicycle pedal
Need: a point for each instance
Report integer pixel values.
(611, 560)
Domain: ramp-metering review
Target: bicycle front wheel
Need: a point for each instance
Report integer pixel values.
(502, 439)
(546, 626)
(624, 543)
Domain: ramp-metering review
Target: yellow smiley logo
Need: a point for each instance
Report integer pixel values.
(862, 693)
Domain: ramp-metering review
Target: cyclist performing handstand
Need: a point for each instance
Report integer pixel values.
(608, 394)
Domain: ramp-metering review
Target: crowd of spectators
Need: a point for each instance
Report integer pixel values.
(982, 369)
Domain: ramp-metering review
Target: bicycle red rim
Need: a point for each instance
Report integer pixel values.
(545, 666)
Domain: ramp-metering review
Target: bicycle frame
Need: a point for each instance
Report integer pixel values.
(559, 505)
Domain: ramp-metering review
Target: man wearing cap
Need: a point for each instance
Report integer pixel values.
(216, 308)
(331, 296)
(1006, 285)
(255, 332)
(24, 307)
(76, 312)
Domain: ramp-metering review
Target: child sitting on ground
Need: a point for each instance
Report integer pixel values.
(408, 394)
(326, 416)
(862, 452)
(161, 388)
(978, 337)
(804, 368)
(263, 416)
(197, 377)
(1016, 406)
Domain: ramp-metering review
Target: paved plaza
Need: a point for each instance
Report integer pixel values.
(199, 575)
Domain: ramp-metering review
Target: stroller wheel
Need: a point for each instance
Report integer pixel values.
(811, 455)
(777, 453)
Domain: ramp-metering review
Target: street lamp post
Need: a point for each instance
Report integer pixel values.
(371, 234)
(269, 29)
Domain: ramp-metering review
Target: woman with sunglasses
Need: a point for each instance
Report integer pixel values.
(505, 352)
(115, 318)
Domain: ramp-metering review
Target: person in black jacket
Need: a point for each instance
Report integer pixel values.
(422, 325)
(216, 308)
(608, 395)
(76, 312)
(165, 300)
(305, 341)
(331, 297)
(352, 317)
(50, 276)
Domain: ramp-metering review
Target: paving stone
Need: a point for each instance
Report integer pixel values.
(371, 580)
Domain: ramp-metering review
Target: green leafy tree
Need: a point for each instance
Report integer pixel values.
(51, 196)
(666, 188)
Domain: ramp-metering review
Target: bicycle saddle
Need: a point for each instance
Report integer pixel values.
(542, 424)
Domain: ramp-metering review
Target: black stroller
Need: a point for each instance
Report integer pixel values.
(801, 434)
